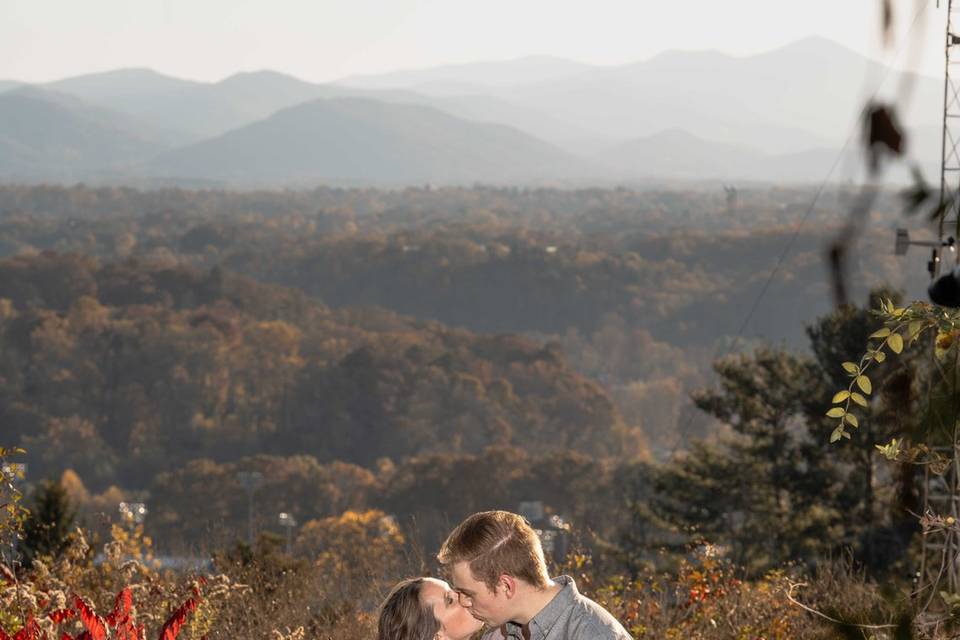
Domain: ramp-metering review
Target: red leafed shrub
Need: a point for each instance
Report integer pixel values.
(30, 631)
(171, 628)
(120, 620)
(119, 625)
(121, 608)
(61, 615)
(93, 623)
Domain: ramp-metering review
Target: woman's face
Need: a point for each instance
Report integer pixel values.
(456, 623)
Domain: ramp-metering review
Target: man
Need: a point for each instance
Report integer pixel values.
(496, 565)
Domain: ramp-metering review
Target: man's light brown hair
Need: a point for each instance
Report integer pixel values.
(494, 543)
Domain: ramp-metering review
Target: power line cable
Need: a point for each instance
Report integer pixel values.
(813, 203)
(819, 192)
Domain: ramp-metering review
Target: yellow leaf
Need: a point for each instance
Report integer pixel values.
(859, 399)
(880, 356)
(889, 451)
(840, 396)
(896, 342)
(881, 333)
(837, 434)
(914, 328)
(850, 367)
(864, 383)
(852, 419)
(836, 412)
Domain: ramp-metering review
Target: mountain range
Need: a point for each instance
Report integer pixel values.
(782, 115)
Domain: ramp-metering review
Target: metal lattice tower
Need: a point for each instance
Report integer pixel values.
(939, 569)
(950, 148)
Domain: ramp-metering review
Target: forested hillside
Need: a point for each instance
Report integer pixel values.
(640, 290)
(141, 365)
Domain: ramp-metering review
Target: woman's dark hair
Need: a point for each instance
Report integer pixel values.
(403, 616)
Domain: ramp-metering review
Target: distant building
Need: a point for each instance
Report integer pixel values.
(733, 198)
(553, 530)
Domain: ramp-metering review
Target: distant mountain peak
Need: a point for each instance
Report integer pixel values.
(815, 40)
(107, 86)
(816, 46)
(114, 75)
(130, 71)
(268, 75)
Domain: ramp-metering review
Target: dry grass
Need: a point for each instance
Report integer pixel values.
(265, 593)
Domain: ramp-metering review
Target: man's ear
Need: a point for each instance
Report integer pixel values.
(508, 584)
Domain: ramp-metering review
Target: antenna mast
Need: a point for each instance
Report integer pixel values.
(950, 145)
(939, 570)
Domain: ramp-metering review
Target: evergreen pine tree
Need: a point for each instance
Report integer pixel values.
(47, 527)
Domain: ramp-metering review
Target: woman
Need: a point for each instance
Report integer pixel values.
(425, 609)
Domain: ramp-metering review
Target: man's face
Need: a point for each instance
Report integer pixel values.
(485, 604)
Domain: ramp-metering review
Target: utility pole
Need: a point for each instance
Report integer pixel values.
(250, 481)
(288, 522)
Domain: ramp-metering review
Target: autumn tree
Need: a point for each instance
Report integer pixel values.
(357, 547)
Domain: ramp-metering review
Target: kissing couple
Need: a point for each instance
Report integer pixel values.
(500, 590)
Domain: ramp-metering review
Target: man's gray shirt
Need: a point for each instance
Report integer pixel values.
(568, 615)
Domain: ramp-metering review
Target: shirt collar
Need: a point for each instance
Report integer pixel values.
(541, 623)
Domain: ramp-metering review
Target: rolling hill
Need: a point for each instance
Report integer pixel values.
(361, 140)
(48, 135)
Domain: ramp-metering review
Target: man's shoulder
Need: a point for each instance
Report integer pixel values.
(589, 620)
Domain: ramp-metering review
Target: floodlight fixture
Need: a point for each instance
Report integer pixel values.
(903, 242)
(288, 522)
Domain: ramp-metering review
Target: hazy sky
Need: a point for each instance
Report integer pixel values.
(321, 40)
